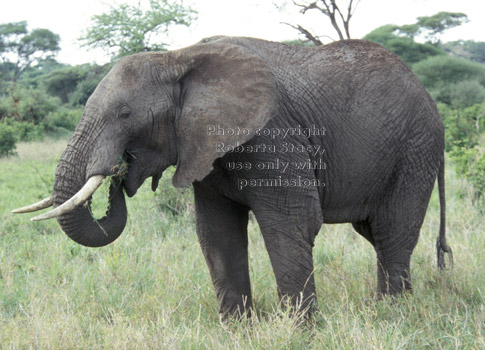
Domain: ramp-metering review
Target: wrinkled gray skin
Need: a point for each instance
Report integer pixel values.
(383, 151)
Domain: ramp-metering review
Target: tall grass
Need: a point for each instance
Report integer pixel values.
(151, 289)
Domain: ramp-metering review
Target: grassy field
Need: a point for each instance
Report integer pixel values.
(151, 289)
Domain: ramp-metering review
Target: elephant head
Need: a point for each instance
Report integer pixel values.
(151, 111)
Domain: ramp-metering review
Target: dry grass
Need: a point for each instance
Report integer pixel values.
(151, 289)
(40, 150)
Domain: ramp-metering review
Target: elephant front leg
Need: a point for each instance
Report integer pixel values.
(292, 262)
(222, 233)
(289, 240)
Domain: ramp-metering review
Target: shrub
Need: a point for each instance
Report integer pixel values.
(437, 73)
(460, 126)
(27, 104)
(173, 200)
(470, 164)
(24, 131)
(459, 95)
(91, 76)
(63, 81)
(74, 84)
(7, 139)
(63, 118)
(405, 47)
(463, 157)
(477, 114)
(466, 93)
(476, 174)
(468, 49)
(83, 90)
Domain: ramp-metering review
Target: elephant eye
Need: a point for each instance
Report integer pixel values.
(124, 112)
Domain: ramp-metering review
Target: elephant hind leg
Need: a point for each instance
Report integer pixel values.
(393, 255)
(393, 273)
(397, 218)
(395, 232)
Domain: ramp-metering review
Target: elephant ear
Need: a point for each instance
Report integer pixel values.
(226, 94)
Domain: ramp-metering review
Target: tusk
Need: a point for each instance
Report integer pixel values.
(79, 198)
(45, 203)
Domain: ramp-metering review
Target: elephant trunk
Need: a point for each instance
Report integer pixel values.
(79, 224)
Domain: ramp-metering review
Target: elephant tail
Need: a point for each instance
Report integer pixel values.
(441, 246)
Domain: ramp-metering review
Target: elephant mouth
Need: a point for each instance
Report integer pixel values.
(133, 170)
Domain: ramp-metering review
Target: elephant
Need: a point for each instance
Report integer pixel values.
(300, 136)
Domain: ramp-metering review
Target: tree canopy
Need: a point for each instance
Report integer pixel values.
(432, 27)
(405, 47)
(402, 39)
(468, 49)
(448, 70)
(21, 49)
(454, 81)
(128, 29)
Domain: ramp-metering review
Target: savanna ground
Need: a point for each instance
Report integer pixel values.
(151, 289)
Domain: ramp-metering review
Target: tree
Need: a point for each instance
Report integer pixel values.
(436, 71)
(21, 49)
(74, 84)
(469, 49)
(27, 104)
(128, 29)
(432, 27)
(62, 82)
(466, 93)
(451, 80)
(403, 46)
(339, 16)
(401, 39)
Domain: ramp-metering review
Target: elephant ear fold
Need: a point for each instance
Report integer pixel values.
(227, 94)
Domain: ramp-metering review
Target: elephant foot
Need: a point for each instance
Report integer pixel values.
(393, 279)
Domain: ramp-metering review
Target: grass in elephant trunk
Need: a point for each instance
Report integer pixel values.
(100, 199)
(151, 289)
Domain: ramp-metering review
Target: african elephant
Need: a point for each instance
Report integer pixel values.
(343, 133)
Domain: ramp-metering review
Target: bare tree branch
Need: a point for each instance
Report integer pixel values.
(345, 19)
(306, 33)
(340, 21)
(355, 7)
(477, 124)
(312, 6)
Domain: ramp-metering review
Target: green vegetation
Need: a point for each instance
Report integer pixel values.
(432, 27)
(21, 49)
(402, 39)
(445, 75)
(8, 139)
(151, 289)
(127, 29)
(468, 49)
(405, 47)
(470, 163)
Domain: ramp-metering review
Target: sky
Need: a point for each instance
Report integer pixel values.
(255, 18)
